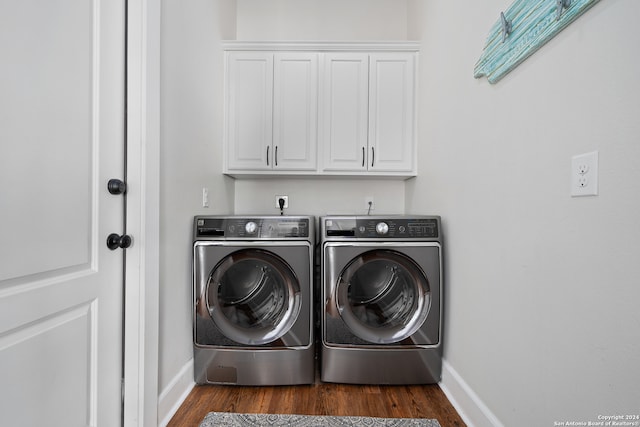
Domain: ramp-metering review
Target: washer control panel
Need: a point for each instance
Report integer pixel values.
(256, 228)
(378, 227)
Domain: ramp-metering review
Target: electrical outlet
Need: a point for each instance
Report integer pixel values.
(584, 174)
(368, 203)
(286, 202)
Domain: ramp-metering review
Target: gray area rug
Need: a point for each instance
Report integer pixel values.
(219, 419)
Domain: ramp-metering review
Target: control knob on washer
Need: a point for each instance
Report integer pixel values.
(250, 227)
(382, 228)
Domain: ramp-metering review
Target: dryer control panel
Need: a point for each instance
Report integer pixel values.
(281, 227)
(382, 227)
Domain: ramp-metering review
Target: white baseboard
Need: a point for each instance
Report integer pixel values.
(175, 394)
(471, 408)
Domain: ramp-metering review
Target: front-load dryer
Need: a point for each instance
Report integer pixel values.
(381, 296)
(253, 300)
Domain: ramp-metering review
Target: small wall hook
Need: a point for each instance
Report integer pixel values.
(560, 6)
(506, 26)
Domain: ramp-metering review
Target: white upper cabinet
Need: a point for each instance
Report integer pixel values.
(345, 111)
(271, 115)
(295, 111)
(392, 112)
(368, 105)
(320, 109)
(249, 110)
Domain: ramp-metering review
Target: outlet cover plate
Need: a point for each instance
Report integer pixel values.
(584, 174)
(286, 202)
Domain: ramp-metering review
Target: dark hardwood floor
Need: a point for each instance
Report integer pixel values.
(416, 401)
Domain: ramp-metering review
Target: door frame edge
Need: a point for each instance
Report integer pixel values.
(141, 350)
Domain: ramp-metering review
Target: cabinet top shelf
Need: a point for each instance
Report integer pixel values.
(320, 46)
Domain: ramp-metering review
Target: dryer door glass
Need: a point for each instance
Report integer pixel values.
(253, 296)
(383, 296)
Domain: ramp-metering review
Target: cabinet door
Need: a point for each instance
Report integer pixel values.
(249, 110)
(392, 112)
(344, 100)
(295, 111)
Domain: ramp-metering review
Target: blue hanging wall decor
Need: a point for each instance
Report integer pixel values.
(523, 29)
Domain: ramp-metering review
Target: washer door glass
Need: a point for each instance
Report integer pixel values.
(253, 296)
(383, 296)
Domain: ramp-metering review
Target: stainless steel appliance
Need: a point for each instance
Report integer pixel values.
(381, 297)
(253, 299)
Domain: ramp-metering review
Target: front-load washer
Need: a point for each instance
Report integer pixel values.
(381, 296)
(253, 300)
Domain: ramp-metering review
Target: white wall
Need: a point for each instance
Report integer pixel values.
(320, 196)
(542, 289)
(191, 158)
(322, 20)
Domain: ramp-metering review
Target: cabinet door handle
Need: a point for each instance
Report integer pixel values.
(267, 155)
(362, 156)
(276, 162)
(373, 156)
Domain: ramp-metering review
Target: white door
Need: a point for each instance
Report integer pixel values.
(392, 112)
(295, 110)
(249, 110)
(345, 100)
(61, 140)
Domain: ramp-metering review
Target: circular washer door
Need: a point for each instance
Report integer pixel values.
(383, 296)
(253, 296)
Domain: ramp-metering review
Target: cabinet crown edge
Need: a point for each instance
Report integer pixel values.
(324, 46)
